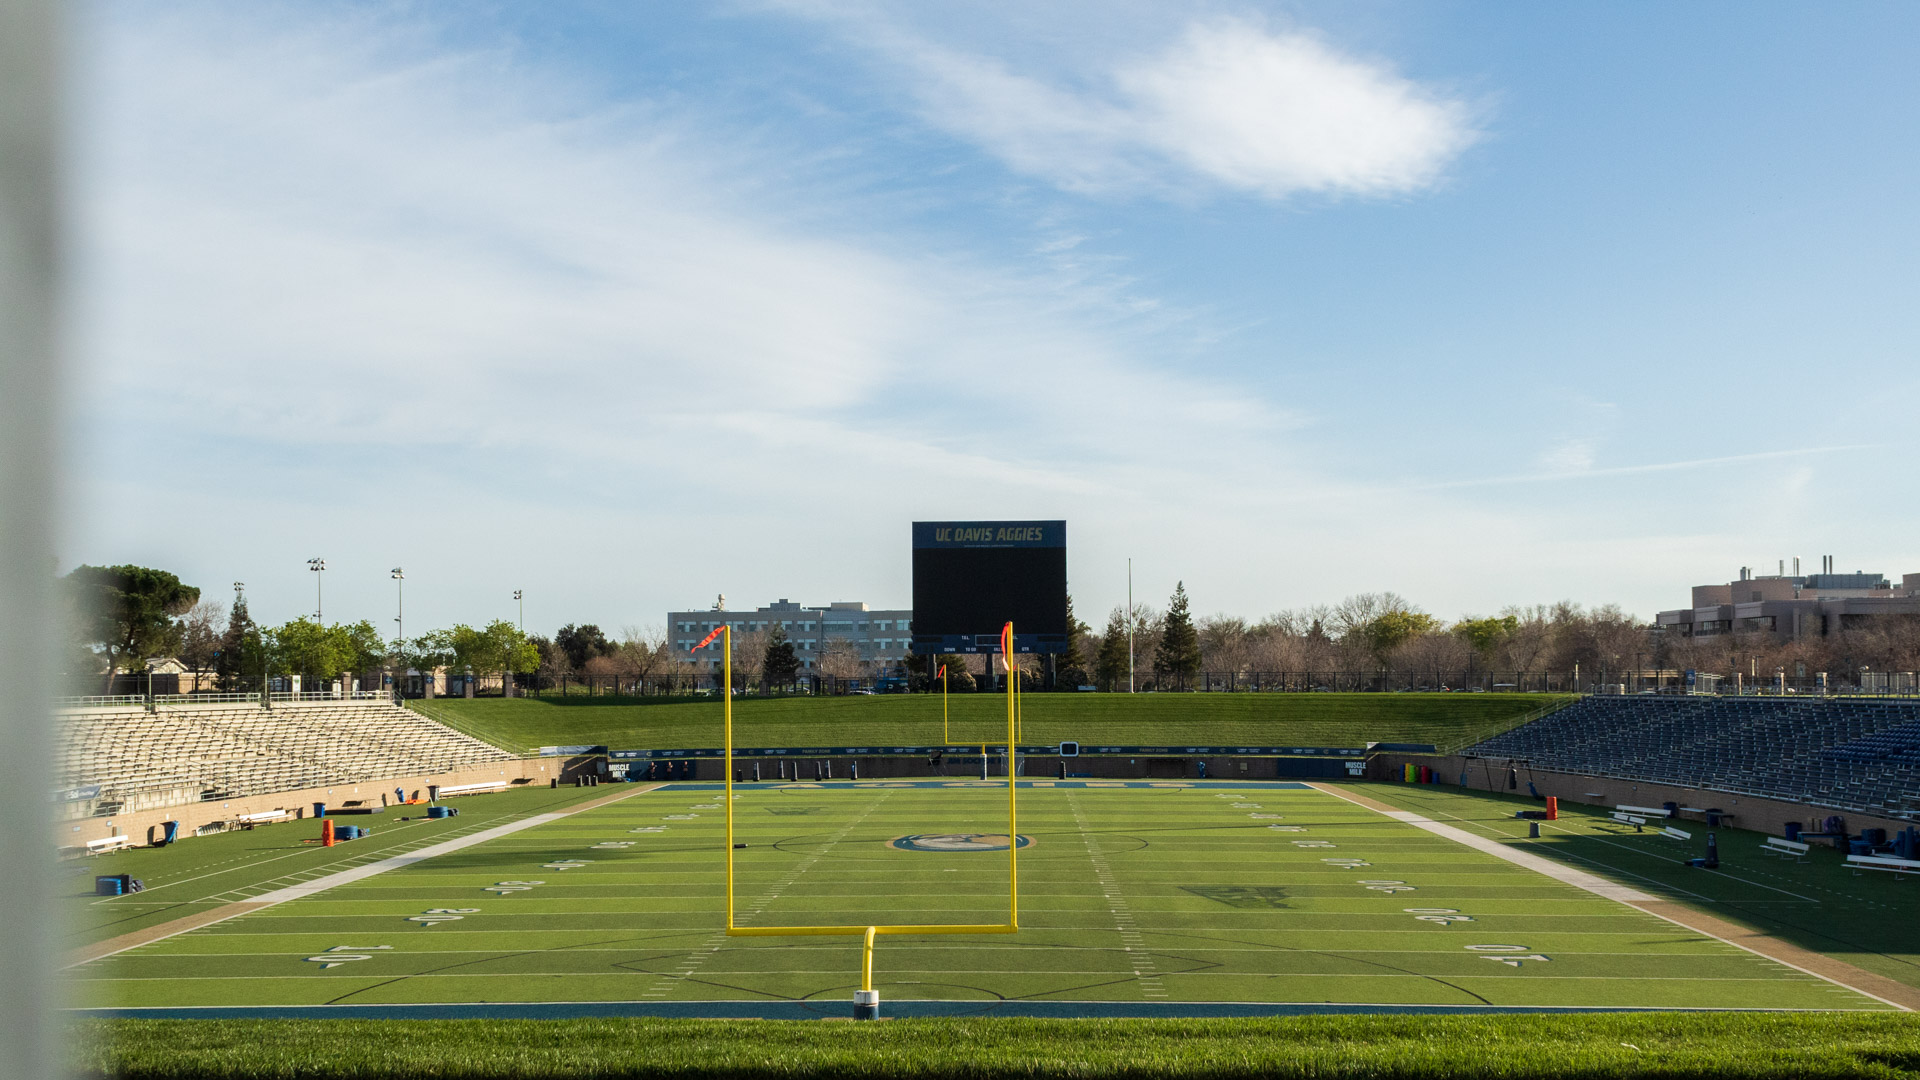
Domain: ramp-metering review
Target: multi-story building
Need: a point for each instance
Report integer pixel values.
(1792, 606)
(878, 638)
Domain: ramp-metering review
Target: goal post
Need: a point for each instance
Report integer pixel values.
(867, 1002)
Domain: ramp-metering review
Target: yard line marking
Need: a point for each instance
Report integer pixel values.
(1806, 961)
(102, 949)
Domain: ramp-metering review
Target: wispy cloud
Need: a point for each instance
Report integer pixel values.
(1578, 458)
(1229, 105)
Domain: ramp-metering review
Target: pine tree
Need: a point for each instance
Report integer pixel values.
(1179, 651)
(781, 666)
(1072, 664)
(1110, 666)
(229, 664)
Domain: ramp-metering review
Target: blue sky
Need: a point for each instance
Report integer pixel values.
(628, 305)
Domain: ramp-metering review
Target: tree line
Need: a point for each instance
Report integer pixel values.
(126, 615)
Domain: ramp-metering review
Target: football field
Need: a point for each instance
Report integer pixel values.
(1136, 895)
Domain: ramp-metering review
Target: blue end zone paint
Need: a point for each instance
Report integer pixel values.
(837, 1010)
(828, 785)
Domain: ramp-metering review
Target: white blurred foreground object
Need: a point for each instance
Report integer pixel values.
(29, 243)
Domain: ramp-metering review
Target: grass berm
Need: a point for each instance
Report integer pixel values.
(1243, 719)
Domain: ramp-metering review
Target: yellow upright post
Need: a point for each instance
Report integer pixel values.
(1013, 827)
(726, 696)
(945, 738)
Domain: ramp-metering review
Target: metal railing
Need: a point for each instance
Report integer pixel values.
(99, 701)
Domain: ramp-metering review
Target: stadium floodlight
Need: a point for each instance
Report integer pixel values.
(866, 1003)
(519, 597)
(319, 568)
(399, 603)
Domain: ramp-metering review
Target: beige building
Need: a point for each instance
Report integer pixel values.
(879, 637)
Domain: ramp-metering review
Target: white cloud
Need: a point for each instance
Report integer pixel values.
(1230, 104)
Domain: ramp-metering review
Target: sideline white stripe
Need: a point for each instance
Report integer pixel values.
(296, 892)
(1579, 879)
(1631, 897)
(361, 873)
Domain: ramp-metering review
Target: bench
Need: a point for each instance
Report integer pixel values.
(107, 843)
(1888, 863)
(1649, 811)
(263, 817)
(1639, 823)
(1672, 833)
(474, 789)
(1778, 846)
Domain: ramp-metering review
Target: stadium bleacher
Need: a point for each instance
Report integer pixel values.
(1858, 754)
(185, 753)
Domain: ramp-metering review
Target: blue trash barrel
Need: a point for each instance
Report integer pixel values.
(1793, 830)
(319, 809)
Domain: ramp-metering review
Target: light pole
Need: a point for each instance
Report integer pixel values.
(399, 630)
(519, 598)
(1129, 626)
(399, 604)
(319, 568)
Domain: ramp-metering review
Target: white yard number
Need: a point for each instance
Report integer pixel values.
(434, 916)
(1288, 828)
(649, 828)
(343, 954)
(505, 887)
(1350, 864)
(1445, 916)
(614, 844)
(566, 864)
(1508, 954)
(1314, 844)
(1388, 887)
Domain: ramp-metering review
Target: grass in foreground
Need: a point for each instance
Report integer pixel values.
(1607, 1045)
(1446, 720)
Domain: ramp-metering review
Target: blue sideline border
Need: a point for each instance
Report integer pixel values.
(835, 1010)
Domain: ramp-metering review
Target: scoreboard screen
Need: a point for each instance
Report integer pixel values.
(970, 578)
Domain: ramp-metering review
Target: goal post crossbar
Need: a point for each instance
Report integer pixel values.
(868, 932)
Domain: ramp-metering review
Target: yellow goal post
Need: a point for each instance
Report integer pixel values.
(868, 932)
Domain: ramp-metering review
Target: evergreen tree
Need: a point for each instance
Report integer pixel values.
(1179, 651)
(1072, 664)
(239, 642)
(1110, 666)
(781, 666)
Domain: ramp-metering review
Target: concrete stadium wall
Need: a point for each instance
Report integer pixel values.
(193, 815)
(1749, 811)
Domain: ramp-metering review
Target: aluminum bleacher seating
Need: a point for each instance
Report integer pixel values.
(183, 753)
(1858, 754)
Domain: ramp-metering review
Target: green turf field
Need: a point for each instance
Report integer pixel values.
(1818, 904)
(205, 872)
(1446, 720)
(1132, 893)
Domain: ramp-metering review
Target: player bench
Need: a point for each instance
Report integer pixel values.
(1857, 863)
(1672, 833)
(1639, 823)
(1642, 811)
(1784, 848)
(474, 789)
(106, 844)
(264, 817)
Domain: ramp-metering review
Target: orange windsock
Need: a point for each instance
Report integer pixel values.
(706, 640)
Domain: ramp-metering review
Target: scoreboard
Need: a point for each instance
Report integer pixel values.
(970, 578)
